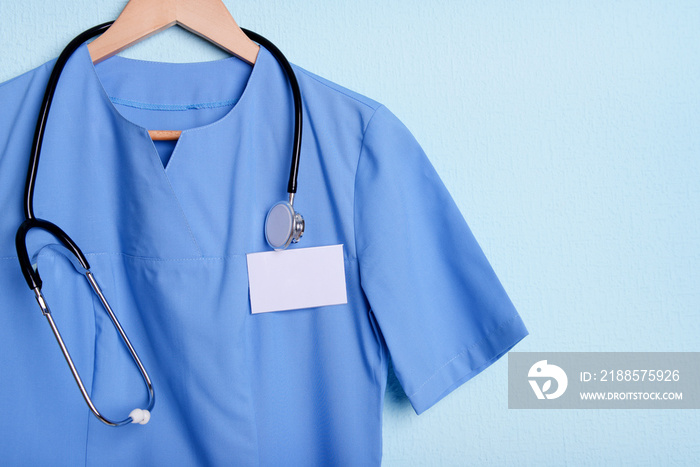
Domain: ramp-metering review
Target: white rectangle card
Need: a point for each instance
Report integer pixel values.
(296, 278)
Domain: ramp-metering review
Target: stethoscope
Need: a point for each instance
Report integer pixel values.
(283, 225)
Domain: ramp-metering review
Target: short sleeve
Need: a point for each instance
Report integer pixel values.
(441, 310)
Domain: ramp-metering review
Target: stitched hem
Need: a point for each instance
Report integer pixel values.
(195, 106)
(468, 363)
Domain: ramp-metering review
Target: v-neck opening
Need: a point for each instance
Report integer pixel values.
(162, 208)
(165, 150)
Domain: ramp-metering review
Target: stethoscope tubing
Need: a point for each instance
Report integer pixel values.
(44, 113)
(298, 112)
(30, 222)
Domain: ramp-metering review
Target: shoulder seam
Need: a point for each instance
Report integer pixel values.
(307, 73)
(13, 79)
(354, 184)
(26, 74)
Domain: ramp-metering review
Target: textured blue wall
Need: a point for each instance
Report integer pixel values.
(568, 134)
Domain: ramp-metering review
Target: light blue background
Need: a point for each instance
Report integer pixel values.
(569, 135)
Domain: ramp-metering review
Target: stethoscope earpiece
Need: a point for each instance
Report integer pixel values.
(283, 225)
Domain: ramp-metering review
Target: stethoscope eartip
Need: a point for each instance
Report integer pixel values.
(140, 416)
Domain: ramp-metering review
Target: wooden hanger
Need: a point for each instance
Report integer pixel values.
(142, 18)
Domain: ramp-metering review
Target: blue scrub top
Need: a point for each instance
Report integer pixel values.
(166, 228)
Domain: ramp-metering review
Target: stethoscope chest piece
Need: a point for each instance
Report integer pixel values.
(283, 226)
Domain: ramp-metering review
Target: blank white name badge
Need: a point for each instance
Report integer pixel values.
(296, 278)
